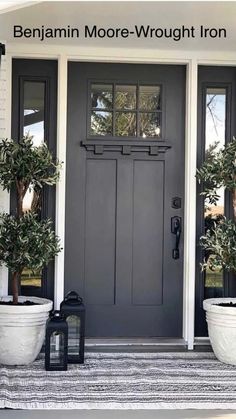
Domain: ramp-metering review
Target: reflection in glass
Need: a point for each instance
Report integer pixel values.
(101, 123)
(56, 348)
(34, 101)
(150, 98)
(101, 96)
(215, 128)
(34, 110)
(125, 124)
(125, 97)
(74, 334)
(150, 125)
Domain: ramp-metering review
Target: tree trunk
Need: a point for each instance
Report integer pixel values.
(15, 290)
(20, 197)
(20, 206)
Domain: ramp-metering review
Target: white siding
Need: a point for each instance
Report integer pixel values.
(3, 96)
(4, 197)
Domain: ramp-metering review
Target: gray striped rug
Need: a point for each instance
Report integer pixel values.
(123, 381)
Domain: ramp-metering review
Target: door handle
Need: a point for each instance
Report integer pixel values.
(176, 229)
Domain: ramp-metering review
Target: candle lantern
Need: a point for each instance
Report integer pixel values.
(74, 311)
(56, 344)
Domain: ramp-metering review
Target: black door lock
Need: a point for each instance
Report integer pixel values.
(176, 202)
(176, 229)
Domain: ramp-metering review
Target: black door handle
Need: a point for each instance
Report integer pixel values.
(176, 229)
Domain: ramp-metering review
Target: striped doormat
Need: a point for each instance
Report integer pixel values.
(184, 380)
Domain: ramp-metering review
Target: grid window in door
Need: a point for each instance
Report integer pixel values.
(125, 110)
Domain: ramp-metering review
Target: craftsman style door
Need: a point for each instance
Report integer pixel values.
(125, 197)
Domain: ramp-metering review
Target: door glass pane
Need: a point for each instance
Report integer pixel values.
(101, 96)
(150, 125)
(215, 128)
(34, 125)
(101, 123)
(134, 111)
(125, 124)
(150, 98)
(125, 97)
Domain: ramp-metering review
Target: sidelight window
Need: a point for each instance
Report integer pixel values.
(34, 93)
(125, 110)
(215, 135)
(34, 112)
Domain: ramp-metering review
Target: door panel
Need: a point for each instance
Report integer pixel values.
(100, 231)
(147, 233)
(119, 196)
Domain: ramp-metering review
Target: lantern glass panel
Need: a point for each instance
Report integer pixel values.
(74, 334)
(57, 348)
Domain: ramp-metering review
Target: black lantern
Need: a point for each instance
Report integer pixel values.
(56, 345)
(73, 309)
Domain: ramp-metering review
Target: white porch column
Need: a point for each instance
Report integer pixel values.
(61, 186)
(190, 204)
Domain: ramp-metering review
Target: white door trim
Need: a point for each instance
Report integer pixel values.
(61, 186)
(190, 205)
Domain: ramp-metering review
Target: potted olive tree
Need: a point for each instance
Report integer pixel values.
(26, 242)
(219, 243)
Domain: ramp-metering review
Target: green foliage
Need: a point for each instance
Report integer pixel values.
(26, 242)
(220, 243)
(25, 163)
(218, 170)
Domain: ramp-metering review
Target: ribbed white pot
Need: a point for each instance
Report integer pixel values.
(22, 330)
(222, 328)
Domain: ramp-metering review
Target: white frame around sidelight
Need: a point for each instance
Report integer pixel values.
(191, 59)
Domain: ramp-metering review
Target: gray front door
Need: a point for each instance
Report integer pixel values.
(125, 183)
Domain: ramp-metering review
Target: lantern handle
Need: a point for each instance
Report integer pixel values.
(73, 295)
(56, 315)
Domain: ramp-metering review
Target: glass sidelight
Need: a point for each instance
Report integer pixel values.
(215, 135)
(33, 124)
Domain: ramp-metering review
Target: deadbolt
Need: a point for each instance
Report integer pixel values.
(176, 202)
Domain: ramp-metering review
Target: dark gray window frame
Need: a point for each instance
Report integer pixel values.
(229, 280)
(41, 71)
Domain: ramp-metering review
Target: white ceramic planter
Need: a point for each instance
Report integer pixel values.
(222, 328)
(22, 330)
